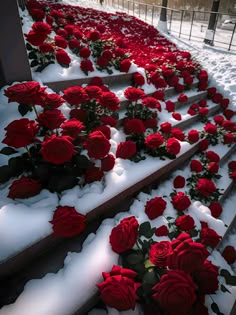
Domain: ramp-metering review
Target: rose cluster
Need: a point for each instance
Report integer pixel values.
(58, 153)
(160, 275)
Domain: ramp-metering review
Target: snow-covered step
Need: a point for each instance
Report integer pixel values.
(115, 79)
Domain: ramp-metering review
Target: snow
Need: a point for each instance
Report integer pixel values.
(22, 223)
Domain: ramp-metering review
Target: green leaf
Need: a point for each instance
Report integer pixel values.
(224, 289)
(5, 173)
(58, 183)
(229, 279)
(82, 161)
(8, 151)
(150, 278)
(23, 109)
(135, 258)
(34, 63)
(215, 308)
(145, 229)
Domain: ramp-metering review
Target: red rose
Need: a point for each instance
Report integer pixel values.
(193, 136)
(187, 256)
(173, 81)
(62, 57)
(60, 41)
(135, 126)
(94, 35)
(179, 182)
(216, 209)
(67, 222)
(108, 163)
(177, 116)
(93, 91)
(229, 254)
(202, 103)
(229, 138)
(93, 174)
(155, 207)
(78, 114)
(97, 145)
(46, 47)
(57, 150)
(102, 62)
(84, 52)
(185, 223)
(138, 78)
(170, 106)
(125, 65)
(173, 146)
(150, 123)
(110, 101)
(203, 145)
(181, 238)
(86, 66)
(20, 133)
(159, 252)
(210, 128)
(37, 14)
(179, 88)
(75, 95)
(24, 93)
(188, 80)
(108, 120)
(228, 125)
(181, 201)
(211, 92)
(159, 95)
(107, 54)
(232, 165)
(178, 134)
(35, 38)
(229, 113)
(203, 75)
(124, 235)
(166, 127)
(72, 128)
(154, 141)
(151, 102)
(41, 28)
(182, 98)
(203, 111)
(24, 187)
(217, 98)
(224, 103)
(73, 44)
(213, 167)
(205, 187)
(196, 166)
(51, 119)
(105, 130)
(212, 156)
(118, 290)
(206, 278)
(101, 28)
(175, 291)
(161, 231)
(218, 119)
(209, 237)
(134, 94)
(52, 101)
(126, 150)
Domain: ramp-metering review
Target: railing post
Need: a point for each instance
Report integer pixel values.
(191, 27)
(14, 63)
(152, 14)
(145, 12)
(171, 15)
(181, 22)
(231, 40)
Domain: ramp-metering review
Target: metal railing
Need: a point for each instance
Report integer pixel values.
(186, 24)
